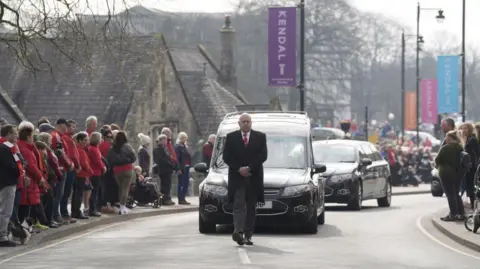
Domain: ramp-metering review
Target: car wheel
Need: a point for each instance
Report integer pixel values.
(356, 202)
(387, 200)
(205, 227)
(312, 225)
(321, 217)
(437, 193)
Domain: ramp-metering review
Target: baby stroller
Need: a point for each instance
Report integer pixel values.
(144, 193)
(472, 222)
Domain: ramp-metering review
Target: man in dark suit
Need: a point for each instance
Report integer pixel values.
(447, 125)
(245, 152)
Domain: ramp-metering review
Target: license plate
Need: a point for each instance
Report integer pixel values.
(267, 205)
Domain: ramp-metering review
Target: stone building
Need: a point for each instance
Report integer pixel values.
(142, 83)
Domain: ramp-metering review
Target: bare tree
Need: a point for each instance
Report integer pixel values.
(71, 26)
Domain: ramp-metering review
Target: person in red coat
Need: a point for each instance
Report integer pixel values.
(70, 178)
(98, 169)
(35, 170)
(82, 176)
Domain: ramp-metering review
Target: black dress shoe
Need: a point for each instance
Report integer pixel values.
(80, 216)
(54, 224)
(95, 214)
(248, 241)
(448, 218)
(238, 237)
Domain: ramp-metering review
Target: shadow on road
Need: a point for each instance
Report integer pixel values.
(341, 208)
(324, 231)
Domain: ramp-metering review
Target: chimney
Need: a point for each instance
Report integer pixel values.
(228, 75)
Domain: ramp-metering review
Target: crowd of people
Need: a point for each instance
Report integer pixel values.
(44, 167)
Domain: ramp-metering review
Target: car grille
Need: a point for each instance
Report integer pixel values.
(271, 192)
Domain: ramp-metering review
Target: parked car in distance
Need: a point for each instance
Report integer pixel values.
(355, 172)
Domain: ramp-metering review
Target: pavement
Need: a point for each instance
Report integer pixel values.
(106, 219)
(347, 240)
(456, 231)
(373, 238)
(421, 189)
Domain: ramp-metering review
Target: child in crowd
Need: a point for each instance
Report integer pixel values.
(138, 174)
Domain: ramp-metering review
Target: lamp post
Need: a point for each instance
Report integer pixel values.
(301, 85)
(440, 17)
(402, 98)
(463, 62)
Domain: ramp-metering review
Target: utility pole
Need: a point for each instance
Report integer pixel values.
(301, 86)
(366, 124)
(402, 118)
(417, 76)
(463, 63)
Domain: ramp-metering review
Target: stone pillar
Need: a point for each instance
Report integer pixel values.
(228, 75)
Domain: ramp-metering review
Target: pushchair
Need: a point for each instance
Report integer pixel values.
(144, 193)
(472, 222)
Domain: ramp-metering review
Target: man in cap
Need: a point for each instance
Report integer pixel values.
(61, 149)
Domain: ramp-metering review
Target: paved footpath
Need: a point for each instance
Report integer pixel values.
(456, 231)
(141, 212)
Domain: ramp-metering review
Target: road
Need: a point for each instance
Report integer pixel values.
(373, 238)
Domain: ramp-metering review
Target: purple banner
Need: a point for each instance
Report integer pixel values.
(282, 40)
(428, 99)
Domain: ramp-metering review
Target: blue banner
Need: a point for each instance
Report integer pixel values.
(447, 77)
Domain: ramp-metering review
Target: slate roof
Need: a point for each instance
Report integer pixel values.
(207, 98)
(75, 92)
(6, 115)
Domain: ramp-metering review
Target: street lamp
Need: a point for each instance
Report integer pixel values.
(402, 98)
(301, 85)
(440, 17)
(463, 62)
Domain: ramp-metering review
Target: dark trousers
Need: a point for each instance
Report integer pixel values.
(26, 212)
(95, 180)
(58, 195)
(33, 212)
(166, 185)
(182, 184)
(47, 205)
(67, 191)
(451, 186)
(244, 209)
(16, 204)
(77, 196)
(109, 189)
(100, 196)
(470, 187)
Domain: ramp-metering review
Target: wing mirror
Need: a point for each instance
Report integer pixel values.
(201, 168)
(366, 162)
(319, 168)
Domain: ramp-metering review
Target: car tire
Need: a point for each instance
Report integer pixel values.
(205, 227)
(387, 200)
(356, 202)
(312, 225)
(437, 193)
(321, 217)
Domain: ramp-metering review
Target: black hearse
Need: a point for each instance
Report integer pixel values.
(293, 194)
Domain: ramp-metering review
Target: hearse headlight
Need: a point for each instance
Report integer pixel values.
(297, 189)
(215, 190)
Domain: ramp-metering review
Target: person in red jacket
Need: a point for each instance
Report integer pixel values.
(98, 169)
(82, 176)
(70, 178)
(62, 151)
(35, 170)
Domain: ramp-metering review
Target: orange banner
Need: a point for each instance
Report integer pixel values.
(410, 110)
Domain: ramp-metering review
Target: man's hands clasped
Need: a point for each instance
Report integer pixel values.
(244, 171)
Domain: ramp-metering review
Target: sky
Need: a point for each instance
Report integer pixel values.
(403, 11)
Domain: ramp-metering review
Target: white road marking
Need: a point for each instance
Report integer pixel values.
(243, 255)
(431, 237)
(58, 243)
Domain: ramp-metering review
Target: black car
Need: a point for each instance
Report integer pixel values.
(355, 172)
(293, 193)
(435, 186)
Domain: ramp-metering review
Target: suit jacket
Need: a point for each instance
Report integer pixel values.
(236, 155)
